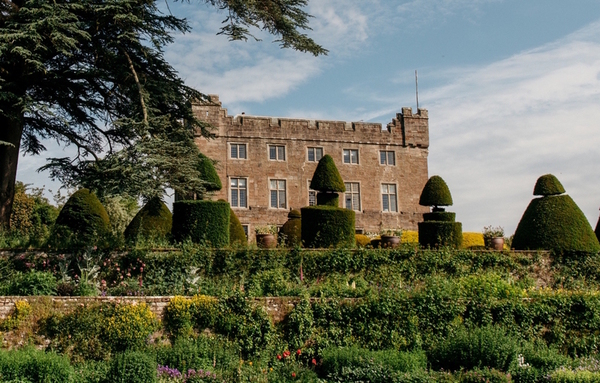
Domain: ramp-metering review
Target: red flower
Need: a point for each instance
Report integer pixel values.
(298, 352)
(278, 357)
(293, 374)
(286, 353)
(314, 362)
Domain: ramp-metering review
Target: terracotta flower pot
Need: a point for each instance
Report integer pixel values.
(390, 241)
(498, 243)
(266, 241)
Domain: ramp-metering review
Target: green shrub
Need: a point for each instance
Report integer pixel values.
(33, 283)
(236, 230)
(299, 324)
(548, 184)
(362, 240)
(478, 347)
(327, 226)
(484, 375)
(326, 177)
(570, 376)
(435, 193)
(201, 221)
(153, 220)
(34, 366)
(291, 231)
(597, 230)
(556, 223)
(328, 199)
(442, 216)
(208, 173)
(82, 220)
(440, 233)
(133, 367)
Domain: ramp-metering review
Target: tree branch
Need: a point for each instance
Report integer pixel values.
(140, 89)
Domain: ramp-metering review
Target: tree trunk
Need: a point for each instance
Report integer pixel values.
(11, 130)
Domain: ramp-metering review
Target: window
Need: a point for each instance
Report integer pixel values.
(387, 157)
(238, 151)
(245, 227)
(351, 156)
(352, 196)
(315, 154)
(312, 196)
(388, 197)
(277, 152)
(278, 200)
(239, 192)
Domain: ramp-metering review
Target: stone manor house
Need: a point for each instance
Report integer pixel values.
(266, 163)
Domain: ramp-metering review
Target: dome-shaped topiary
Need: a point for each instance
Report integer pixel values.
(291, 231)
(208, 173)
(294, 214)
(555, 222)
(327, 178)
(435, 193)
(84, 216)
(548, 184)
(236, 230)
(153, 220)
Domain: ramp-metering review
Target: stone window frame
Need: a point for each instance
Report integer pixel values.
(277, 146)
(350, 150)
(352, 193)
(278, 190)
(238, 144)
(237, 188)
(395, 194)
(314, 192)
(386, 159)
(308, 148)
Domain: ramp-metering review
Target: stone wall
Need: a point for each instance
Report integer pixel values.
(407, 136)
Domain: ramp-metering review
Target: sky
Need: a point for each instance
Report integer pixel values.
(512, 88)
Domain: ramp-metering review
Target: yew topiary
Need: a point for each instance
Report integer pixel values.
(548, 184)
(328, 226)
(237, 235)
(201, 221)
(291, 231)
(435, 193)
(153, 220)
(209, 174)
(554, 222)
(84, 217)
(327, 178)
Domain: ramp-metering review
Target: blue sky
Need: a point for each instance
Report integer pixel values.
(512, 88)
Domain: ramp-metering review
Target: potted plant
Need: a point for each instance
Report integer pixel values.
(493, 237)
(266, 236)
(390, 237)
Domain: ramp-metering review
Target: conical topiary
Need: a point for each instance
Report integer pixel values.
(435, 193)
(84, 216)
(554, 222)
(327, 178)
(208, 173)
(153, 220)
(548, 184)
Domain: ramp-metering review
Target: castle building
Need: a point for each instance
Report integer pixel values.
(266, 163)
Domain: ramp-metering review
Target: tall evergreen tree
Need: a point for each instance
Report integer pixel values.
(91, 73)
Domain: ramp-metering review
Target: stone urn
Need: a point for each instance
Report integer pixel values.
(497, 243)
(389, 241)
(266, 241)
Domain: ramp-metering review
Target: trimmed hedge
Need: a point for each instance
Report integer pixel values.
(327, 178)
(291, 231)
(327, 226)
(84, 216)
(555, 222)
(31, 365)
(548, 184)
(444, 216)
(236, 231)
(133, 367)
(208, 173)
(328, 199)
(440, 233)
(201, 221)
(154, 219)
(435, 193)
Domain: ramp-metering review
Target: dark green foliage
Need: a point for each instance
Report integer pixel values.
(236, 231)
(208, 173)
(328, 199)
(299, 324)
(84, 216)
(199, 221)
(548, 184)
(327, 178)
(484, 375)
(444, 216)
(291, 231)
(153, 220)
(199, 353)
(556, 223)
(597, 230)
(435, 193)
(32, 365)
(327, 226)
(478, 347)
(33, 283)
(133, 367)
(434, 234)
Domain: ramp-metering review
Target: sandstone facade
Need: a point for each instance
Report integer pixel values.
(266, 163)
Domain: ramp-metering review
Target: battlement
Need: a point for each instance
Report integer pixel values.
(406, 129)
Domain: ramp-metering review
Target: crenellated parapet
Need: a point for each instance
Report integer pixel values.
(406, 129)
